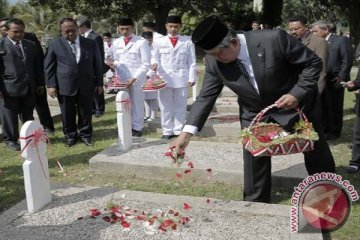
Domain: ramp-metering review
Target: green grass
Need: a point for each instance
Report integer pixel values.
(75, 162)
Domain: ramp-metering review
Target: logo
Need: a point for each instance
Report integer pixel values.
(322, 201)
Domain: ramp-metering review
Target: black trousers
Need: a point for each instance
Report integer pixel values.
(99, 103)
(11, 108)
(257, 170)
(43, 111)
(76, 106)
(332, 101)
(355, 159)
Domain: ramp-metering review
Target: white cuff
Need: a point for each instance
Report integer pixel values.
(190, 129)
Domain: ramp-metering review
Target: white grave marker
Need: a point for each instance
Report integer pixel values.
(123, 108)
(36, 170)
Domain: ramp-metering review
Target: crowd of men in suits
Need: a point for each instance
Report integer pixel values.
(75, 62)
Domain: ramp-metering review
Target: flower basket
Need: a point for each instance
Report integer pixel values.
(270, 139)
(115, 82)
(154, 83)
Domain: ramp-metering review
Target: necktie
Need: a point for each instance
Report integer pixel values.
(173, 41)
(127, 40)
(18, 47)
(73, 48)
(246, 74)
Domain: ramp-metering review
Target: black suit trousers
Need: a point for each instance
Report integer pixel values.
(43, 111)
(11, 109)
(332, 110)
(356, 142)
(80, 106)
(257, 170)
(99, 103)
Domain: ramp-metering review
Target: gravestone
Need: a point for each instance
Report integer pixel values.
(123, 108)
(36, 172)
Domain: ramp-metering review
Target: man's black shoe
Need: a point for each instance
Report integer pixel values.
(167, 136)
(87, 141)
(49, 132)
(70, 142)
(136, 133)
(13, 146)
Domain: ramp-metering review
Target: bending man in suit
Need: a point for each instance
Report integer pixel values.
(279, 69)
(86, 31)
(73, 72)
(21, 77)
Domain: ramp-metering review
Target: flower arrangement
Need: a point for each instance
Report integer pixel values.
(154, 82)
(268, 139)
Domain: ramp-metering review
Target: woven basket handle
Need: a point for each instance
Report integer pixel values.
(260, 115)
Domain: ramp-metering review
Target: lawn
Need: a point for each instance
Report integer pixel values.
(75, 162)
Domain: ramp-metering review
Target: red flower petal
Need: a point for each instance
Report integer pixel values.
(186, 206)
(167, 223)
(171, 211)
(178, 176)
(125, 224)
(106, 219)
(176, 214)
(190, 164)
(94, 212)
(208, 200)
(187, 171)
(185, 220)
(140, 217)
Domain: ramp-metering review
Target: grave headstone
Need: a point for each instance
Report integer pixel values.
(33, 143)
(123, 108)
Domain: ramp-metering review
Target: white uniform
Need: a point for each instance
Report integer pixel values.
(151, 98)
(133, 61)
(107, 53)
(177, 66)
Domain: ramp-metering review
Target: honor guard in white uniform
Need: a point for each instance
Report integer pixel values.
(131, 59)
(174, 59)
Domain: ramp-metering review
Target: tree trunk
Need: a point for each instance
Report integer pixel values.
(160, 14)
(354, 23)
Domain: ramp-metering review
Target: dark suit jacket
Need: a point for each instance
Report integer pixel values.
(340, 57)
(281, 65)
(64, 73)
(18, 77)
(100, 43)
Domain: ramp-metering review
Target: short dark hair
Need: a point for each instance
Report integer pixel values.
(67, 19)
(16, 21)
(258, 22)
(147, 35)
(83, 22)
(4, 19)
(107, 34)
(298, 18)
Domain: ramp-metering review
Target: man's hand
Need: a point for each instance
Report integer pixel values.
(348, 85)
(287, 101)
(40, 90)
(337, 82)
(154, 67)
(52, 92)
(130, 82)
(181, 141)
(110, 62)
(99, 90)
(190, 84)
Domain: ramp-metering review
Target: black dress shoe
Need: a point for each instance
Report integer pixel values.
(70, 142)
(136, 133)
(87, 141)
(13, 146)
(167, 136)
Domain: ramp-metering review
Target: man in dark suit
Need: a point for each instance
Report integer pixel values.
(73, 72)
(339, 65)
(41, 103)
(86, 31)
(21, 77)
(262, 68)
(354, 165)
